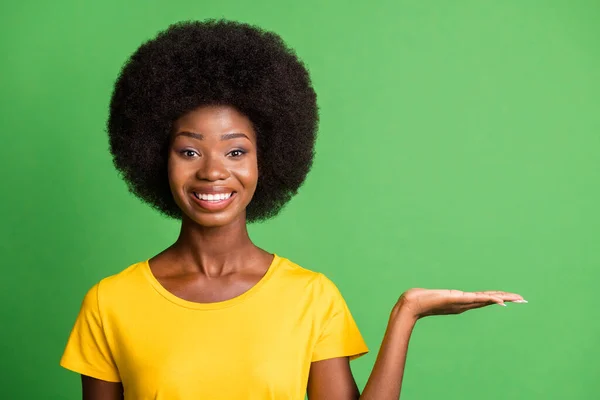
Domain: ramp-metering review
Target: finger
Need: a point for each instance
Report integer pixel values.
(513, 297)
(500, 293)
(481, 298)
(485, 299)
(455, 296)
(484, 303)
(498, 300)
(474, 306)
(505, 296)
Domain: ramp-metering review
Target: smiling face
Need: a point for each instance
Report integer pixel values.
(213, 168)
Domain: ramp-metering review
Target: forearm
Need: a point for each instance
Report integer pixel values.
(385, 380)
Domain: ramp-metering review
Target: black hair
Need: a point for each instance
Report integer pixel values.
(214, 62)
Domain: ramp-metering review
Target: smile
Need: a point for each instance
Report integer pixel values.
(213, 201)
(213, 197)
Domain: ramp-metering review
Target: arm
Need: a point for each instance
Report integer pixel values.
(385, 380)
(96, 389)
(332, 379)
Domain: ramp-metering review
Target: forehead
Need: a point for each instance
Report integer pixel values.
(215, 120)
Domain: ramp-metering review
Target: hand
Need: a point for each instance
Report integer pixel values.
(419, 303)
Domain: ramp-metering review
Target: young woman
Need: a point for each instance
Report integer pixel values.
(214, 123)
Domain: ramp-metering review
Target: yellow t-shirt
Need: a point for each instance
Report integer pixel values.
(258, 345)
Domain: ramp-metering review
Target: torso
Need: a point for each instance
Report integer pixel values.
(256, 346)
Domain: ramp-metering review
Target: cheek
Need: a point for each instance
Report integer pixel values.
(247, 175)
(251, 175)
(172, 172)
(177, 173)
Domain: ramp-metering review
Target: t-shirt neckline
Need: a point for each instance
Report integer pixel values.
(208, 306)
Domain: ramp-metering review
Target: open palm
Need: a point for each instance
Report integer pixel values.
(425, 302)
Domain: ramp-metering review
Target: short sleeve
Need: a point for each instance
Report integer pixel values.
(87, 351)
(338, 334)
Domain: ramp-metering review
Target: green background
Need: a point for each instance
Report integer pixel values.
(459, 148)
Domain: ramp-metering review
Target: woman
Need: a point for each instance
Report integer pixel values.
(214, 123)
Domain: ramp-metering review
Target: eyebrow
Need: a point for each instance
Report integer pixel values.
(199, 136)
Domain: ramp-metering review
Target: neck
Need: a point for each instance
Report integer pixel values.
(214, 251)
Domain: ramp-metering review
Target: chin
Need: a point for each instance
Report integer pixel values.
(214, 220)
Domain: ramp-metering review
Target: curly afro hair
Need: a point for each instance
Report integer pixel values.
(214, 62)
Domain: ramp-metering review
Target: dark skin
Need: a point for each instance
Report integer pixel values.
(213, 150)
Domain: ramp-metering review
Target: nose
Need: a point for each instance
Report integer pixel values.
(212, 169)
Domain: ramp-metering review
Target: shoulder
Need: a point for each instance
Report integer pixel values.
(288, 269)
(316, 281)
(117, 285)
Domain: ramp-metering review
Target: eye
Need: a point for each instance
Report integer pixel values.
(237, 153)
(188, 153)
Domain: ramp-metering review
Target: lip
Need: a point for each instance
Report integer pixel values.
(213, 205)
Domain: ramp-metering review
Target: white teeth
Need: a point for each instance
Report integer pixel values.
(213, 197)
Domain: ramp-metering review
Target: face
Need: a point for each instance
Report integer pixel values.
(212, 167)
